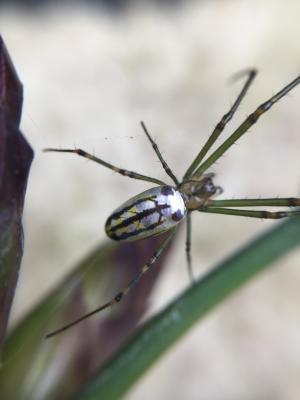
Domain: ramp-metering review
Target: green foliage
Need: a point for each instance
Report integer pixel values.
(158, 334)
(29, 358)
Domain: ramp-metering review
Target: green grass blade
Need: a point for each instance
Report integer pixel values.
(159, 333)
(74, 355)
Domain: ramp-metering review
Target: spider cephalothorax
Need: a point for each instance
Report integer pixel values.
(162, 208)
(198, 190)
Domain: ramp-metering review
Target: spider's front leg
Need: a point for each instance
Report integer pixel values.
(245, 126)
(251, 73)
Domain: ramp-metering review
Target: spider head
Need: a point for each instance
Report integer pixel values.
(198, 190)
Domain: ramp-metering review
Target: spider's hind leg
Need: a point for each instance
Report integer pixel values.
(262, 214)
(188, 246)
(118, 297)
(220, 207)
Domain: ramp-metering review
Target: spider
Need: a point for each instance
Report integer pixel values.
(163, 207)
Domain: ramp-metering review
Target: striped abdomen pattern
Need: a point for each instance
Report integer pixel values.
(150, 213)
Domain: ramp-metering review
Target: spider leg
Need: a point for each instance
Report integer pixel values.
(249, 121)
(271, 202)
(251, 73)
(125, 291)
(251, 213)
(188, 246)
(121, 171)
(159, 155)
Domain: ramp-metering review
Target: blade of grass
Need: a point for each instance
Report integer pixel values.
(159, 333)
(97, 277)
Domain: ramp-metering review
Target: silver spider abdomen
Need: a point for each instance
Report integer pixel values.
(150, 213)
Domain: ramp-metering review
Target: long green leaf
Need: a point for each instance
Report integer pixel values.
(74, 355)
(159, 333)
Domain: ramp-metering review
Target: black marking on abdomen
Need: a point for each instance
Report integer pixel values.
(126, 235)
(118, 214)
(138, 217)
(167, 191)
(177, 215)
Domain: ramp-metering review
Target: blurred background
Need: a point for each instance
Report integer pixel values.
(91, 71)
